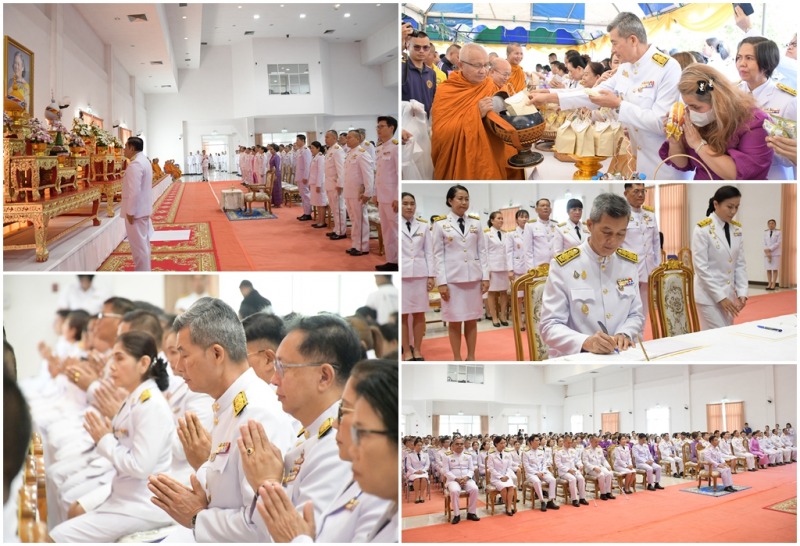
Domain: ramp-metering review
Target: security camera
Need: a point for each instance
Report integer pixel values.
(769, 400)
(287, 35)
(686, 406)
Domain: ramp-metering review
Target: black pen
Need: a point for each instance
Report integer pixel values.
(769, 328)
(605, 331)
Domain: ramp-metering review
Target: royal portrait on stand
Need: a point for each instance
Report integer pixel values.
(18, 75)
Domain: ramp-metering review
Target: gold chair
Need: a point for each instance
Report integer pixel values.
(685, 257)
(672, 306)
(448, 510)
(434, 302)
(688, 466)
(531, 284)
(705, 472)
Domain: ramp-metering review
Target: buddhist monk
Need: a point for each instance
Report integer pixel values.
(514, 56)
(462, 148)
(500, 73)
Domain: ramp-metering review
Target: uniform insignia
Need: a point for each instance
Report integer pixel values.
(648, 209)
(509, 449)
(625, 74)
(567, 256)
(585, 309)
(583, 275)
(394, 141)
(239, 403)
(361, 149)
(223, 448)
(575, 275)
(704, 222)
(660, 59)
(302, 431)
(628, 255)
(622, 283)
(735, 223)
(487, 230)
(325, 427)
(422, 220)
(351, 504)
(787, 89)
(448, 452)
(429, 83)
(298, 463)
(474, 216)
(368, 144)
(120, 433)
(439, 218)
(145, 396)
(532, 221)
(562, 224)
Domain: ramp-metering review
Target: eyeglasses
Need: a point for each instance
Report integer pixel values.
(639, 192)
(280, 366)
(107, 315)
(504, 74)
(486, 66)
(358, 433)
(791, 44)
(417, 47)
(257, 352)
(342, 411)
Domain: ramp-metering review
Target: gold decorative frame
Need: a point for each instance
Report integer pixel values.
(11, 48)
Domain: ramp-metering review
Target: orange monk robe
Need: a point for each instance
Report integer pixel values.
(462, 148)
(517, 79)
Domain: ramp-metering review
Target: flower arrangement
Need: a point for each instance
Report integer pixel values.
(57, 126)
(75, 140)
(38, 132)
(117, 142)
(103, 138)
(80, 128)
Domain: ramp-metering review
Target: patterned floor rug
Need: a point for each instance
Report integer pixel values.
(257, 214)
(711, 492)
(789, 506)
(199, 239)
(178, 261)
(166, 207)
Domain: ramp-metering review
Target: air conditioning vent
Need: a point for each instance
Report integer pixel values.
(163, 86)
(249, 32)
(137, 18)
(157, 62)
(330, 31)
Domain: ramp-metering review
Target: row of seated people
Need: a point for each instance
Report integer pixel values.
(576, 460)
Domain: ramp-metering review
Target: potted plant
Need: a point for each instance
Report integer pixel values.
(75, 142)
(103, 140)
(84, 131)
(39, 137)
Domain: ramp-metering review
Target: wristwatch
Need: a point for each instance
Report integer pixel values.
(194, 520)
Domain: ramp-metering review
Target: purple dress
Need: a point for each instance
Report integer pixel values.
(277, 187)
(746, 147)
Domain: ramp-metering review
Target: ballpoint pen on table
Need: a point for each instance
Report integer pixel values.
(769, 328)
(605, 331)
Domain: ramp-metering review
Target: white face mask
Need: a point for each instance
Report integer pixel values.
(701, 119)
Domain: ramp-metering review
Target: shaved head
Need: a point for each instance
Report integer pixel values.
(470, 56)
(500, 71)
(514, 54)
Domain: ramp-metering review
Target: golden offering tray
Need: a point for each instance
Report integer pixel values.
(588, 166)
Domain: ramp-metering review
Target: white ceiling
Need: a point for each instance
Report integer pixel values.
(173, 33)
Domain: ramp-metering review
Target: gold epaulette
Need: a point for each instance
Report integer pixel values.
(487, 230)
(368, 144)
(145, 396)
(302, 431)
(492, 450)
(422, 220)
(508, 449)
(533, 221)
(394, 141)
(361, 149)
(787, 89)
(239, 403)
(562, 224)
(474, 216)
(648, 209)
(660, 59)
(448, 453)
(628, 255)
(704, 222)
(526, 448)
(325, 427)
(735, 223)
(567, 256)
(439, 218)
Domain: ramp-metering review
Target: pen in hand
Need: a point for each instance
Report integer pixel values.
(605, 331)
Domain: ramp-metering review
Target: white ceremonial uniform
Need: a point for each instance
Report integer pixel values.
(417, 264)
(460, 261)
(772, 241)
(777, 443)
(566, 460)
(349, 519)
(302, 166)
(236, 162)
(367, 145)
(316, 183)
(259, 160)
(643, 239)
(515, 251)
(388, 527)
(137, 201)
(787, 443)
(334, 184)
(714, 456)
(765, 445)
(542, 242)
(535, 462)
(204, 164)
(719, 270)
(595, 464)
(181, 400)
(740, 451)
(649, 88)
(359, 180)
(776, 99)
(500, 465)
(417, 465)
(641, 454)
(569, 235)
(669, 453)
(499, 265)
(460, 466)
(622, 460)
(138, 446)
(725, 449)
(189, 162)
(386, 183)
(584, 288)
(229, 516)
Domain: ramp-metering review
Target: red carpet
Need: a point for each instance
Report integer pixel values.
(497, 345)
(179, 261)
(166, 207)
(283, 244)
(662, 516)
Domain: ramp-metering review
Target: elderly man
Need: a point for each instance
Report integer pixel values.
(461, 147)
(535, 462)
(596, 465)
(541, 236)
(359, 187)
(458, 467)
(517, 80)
(643, 460)
(714, 457)
(137, 202)
(642, 238)
(569, 466)
(591, 299)
(219, 505)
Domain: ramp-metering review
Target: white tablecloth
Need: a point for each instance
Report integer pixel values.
(738, 343)
(553, 169)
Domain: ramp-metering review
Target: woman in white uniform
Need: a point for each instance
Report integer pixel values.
(417, 466)
(316, 183)
(136, 442)
(623, 464)
(461, 269)
(772, 253)
(500, 270)
(502, 475)
(417, 249)
(720, 274)
(756, 60)
(739, 446)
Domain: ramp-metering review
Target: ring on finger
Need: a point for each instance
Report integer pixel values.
(249, 451)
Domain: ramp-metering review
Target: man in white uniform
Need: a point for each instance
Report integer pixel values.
(713, 456)
(137, 202)
(643, 460)
(772, 253)
(542, 240)
(359, 187)
(302, 170)
(569, 466)
(458, 468)
(334, 185)
(536, 470)
(591, 298)
(386, 181)
(595, 464)
(642, 238)
(670, 453)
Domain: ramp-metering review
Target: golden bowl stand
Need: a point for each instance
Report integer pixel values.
(588, 166)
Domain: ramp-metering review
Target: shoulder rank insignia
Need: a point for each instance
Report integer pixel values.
(786, 89)
(526, 448)
(302, 431)
(145, 396)
(704, 222)
(508, 449)
(351, 504)
(533, 221)
(562, 224)
(394, 141)
(439, 218)
(492, 450)
(487, 230)
(568, 255)
(239, 403)
(648, 208)
(422, 220)
(735, 223)
(448, 452)
(325, 427)
(474, 216)
(368, 144)
(361, 149)
(660, 59)
(627, 255)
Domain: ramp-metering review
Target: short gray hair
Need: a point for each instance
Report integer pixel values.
(212, 321)
(611, 204)
(628, 24)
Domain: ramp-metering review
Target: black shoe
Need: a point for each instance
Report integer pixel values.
(473, 517)
(658, 486)
(603, 496)
(388, 266)
(551, 504)
(353, 251)
(456, 519)
(504, 323)
(575, 504)
(305, 217)
(730, 489)
(584, 502)
(336, 237)
(610, 496)
(513, 510)
(674, 475)
(496, 324)
(509, 514)
(417, 501)
(319, 227)
(651, 488)
(330, 234)
(544, 506)
(358, 253)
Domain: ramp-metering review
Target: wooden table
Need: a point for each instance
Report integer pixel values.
(29, 168)
(108, 189)
(40, 212)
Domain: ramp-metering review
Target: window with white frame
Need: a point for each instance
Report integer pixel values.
(463, 424)
(288, 79)
(465, 373)
(657, 420)
(576, 424)
(517, 423)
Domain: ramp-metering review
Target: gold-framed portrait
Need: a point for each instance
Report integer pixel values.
(18, 74)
